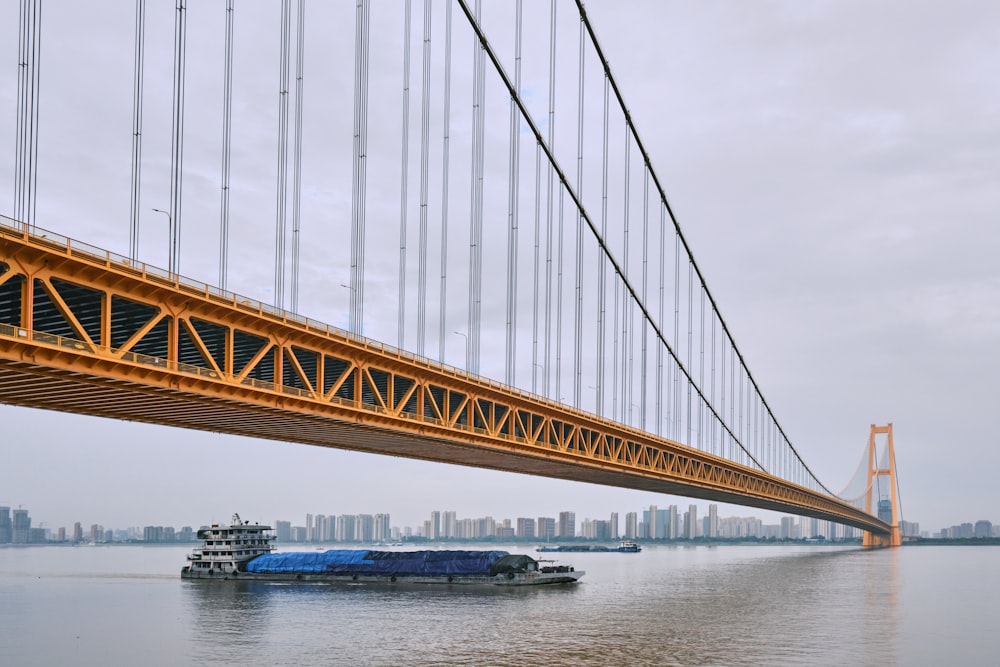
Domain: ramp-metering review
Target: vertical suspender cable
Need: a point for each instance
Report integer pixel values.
(36, 89)
(677, 334)
(28, 89)
(614, 338)
(723, 436)
(535, 273)
(645, 291)
(23, 21)
(477, 48)
(476, 219)
(177, 133)
(659, 348)
(477, 213)
(711, 392)
(578, 270)
(701, 371)
(358, 197)
(626, 302)
(690, 344)
(559, 298)
(282, 187)
(404, 176)
(297, 168)
(602, 270)
(227, 125)
(546, 370)
(140, 30)
(425, 130)
(535, 365)
(739, 423)
(534, 291)
(513, 178)
(442, 315)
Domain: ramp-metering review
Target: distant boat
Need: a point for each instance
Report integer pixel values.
(573, 548)
(625, 546)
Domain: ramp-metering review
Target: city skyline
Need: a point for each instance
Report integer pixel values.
(652, 522)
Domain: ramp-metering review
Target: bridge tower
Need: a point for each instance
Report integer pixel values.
(888, 467)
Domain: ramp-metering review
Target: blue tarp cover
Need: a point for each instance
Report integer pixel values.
(384, 563)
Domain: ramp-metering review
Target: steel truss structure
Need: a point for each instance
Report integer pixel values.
(86, 331)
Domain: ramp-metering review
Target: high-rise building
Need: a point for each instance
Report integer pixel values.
(525, 528)
(6, 526)
(740, 527)
(601, 530)
(77, 532)
(435, 526)
(487, 527)
(713, 521)
(364, 528)
(657, 523)
(613, 527)
(318, 529)
(383, 532)
(983, 528)
(344, 531)
(631, 526)
(691, 522)
(809, 528)
(283, 531)
(546, 527)
(567, 524)
(651, 517)
(20, 526)
(673, 523)
(448, 524)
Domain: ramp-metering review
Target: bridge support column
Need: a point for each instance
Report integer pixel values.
(886, 468)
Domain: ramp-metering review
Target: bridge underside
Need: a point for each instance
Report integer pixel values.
(88, 333)
(28, 385)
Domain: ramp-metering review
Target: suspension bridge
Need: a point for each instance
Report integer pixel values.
(593, 349)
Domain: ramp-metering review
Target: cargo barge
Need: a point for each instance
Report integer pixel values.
(625, 547)
(243, 551)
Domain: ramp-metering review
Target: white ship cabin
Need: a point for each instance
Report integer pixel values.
(229, 548)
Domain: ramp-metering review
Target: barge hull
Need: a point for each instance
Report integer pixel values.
(520, 579)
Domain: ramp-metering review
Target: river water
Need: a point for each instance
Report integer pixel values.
(726, 605)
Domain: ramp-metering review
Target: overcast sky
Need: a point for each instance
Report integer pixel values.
(835, 167)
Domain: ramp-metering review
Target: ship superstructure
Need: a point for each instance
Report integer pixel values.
(226, 550)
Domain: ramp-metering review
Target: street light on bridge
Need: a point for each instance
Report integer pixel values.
(466, 348)
(171, 255)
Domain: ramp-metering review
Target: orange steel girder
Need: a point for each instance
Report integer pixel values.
(296, 380)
